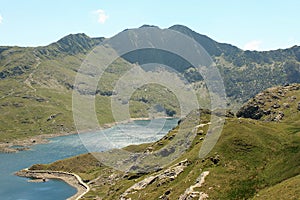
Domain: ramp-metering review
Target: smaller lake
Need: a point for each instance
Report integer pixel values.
(17, 188)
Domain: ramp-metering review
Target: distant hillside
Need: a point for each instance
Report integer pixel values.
(36, 83)
(252, 159)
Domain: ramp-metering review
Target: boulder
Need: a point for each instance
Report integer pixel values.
(250, 111)
(279, 116)
(286, 105)
(276, 105)
(200, 132)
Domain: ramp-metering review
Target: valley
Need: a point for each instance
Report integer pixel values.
(256, 156)
(252, 159)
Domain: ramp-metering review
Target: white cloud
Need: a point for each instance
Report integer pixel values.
(1, 19)
(102, 16)
(253, 45)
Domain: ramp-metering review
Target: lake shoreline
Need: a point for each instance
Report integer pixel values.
(25, 143)
(70, 178)
(49, 153)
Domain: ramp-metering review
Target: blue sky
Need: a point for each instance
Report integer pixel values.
(256, 24)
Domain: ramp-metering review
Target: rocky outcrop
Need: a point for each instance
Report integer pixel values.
(271, 104)
(53, 116)
(15, 71)
(251, 110)
(190, 193)
(160, 178)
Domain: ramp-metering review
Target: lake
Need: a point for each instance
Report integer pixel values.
(18, 188)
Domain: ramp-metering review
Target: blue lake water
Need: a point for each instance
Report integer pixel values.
(17, 188)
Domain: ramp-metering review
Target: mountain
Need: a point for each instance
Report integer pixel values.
(72, 44)
(246, 73)
(253, 159)
(36, 83)
(212, 47)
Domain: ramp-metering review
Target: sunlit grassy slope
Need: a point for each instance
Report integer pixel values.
(252, 158)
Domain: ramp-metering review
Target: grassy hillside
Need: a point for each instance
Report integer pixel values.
(252, 159)
(286, 190)
(38, 99)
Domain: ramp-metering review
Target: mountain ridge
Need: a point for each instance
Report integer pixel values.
(210, 45)
(176, 27)
(28, 74)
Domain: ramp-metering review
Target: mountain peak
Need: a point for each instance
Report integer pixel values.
(77, 43)
(148, 26)
(208, 44)
(74, 37)
(180, 27)
(71, 44)
(211, 46)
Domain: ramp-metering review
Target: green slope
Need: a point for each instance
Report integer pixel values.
(286, 190)
(252, 158)
(37, 83)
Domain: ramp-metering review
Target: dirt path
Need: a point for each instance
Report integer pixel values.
(30, 78)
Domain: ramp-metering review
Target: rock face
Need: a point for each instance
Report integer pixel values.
(191, 194)
(161, 178)
(252, 111)
(271, 104)
(15, 71)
